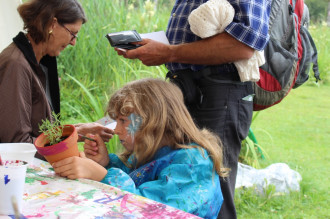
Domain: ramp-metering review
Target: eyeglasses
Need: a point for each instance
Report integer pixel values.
(73, 35)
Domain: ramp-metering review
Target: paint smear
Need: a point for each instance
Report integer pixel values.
(123, 203)
(30, 180)
(38, 215)
(47, 151)
(107, 200)
(43, 183)
(7, 180)
(73, 199)
(154, 210)
(89, 194)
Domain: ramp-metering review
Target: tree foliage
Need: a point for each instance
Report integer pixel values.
(318, 10)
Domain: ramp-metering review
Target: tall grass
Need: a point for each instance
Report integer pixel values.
(95, 64)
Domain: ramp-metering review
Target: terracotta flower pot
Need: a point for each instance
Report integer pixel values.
(64, 149)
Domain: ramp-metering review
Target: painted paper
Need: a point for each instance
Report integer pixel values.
(50, 196)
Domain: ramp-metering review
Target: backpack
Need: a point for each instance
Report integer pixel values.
(288, 54)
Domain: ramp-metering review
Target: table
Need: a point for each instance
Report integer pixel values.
(47, 195)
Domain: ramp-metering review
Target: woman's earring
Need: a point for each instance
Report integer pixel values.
(50, 32)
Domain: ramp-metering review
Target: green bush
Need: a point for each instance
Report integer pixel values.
(317, 10)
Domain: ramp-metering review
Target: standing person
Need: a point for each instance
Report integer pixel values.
(166, 156)
(204, 69)
(29, 86)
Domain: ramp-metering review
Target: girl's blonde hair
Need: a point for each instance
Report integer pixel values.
(164, 116)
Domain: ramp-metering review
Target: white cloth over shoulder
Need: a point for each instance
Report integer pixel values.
(212, 18)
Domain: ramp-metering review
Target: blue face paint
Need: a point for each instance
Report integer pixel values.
(135, 124)
(131, 124)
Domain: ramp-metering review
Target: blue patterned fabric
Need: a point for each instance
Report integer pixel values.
(182, 178)
(250, 25)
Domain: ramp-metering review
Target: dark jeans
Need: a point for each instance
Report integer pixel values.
(219, 106)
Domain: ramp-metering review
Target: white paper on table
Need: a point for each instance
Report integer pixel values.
(157, 36)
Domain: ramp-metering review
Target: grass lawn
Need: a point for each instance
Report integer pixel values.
(296, 132)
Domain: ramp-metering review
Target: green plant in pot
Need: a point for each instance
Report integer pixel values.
(56, 141)
(52, 130)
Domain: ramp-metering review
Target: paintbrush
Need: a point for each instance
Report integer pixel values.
(14, 203)
(85, 137)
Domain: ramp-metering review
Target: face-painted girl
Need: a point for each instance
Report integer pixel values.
(126, 128)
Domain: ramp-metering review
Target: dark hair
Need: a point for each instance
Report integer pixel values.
(37, 15)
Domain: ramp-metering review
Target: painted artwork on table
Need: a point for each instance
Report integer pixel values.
(47, 195)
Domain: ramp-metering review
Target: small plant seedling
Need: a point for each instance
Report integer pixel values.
(53, 130)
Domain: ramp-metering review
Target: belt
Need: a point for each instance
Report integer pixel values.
(219, 72)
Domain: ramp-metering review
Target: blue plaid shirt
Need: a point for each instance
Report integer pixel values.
(250, 25)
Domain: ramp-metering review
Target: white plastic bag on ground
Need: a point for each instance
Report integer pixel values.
(279, 174)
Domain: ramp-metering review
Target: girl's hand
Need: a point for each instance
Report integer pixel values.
(94, 128)
(79, 167)
(97, 150)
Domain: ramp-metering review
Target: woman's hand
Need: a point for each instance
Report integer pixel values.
(79, 167)
(94, 128)
(96, 150)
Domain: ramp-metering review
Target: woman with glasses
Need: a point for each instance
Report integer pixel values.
(29, 86)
